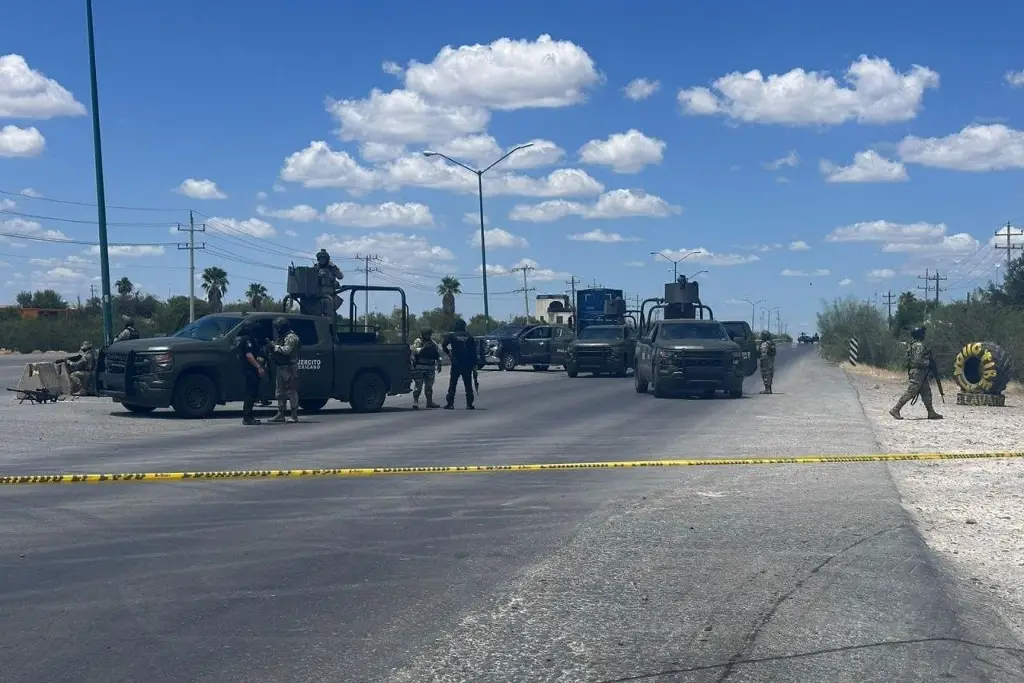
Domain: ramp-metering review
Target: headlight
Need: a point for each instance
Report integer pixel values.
(162, 362)
(664, 354)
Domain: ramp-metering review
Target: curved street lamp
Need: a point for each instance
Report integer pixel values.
(753, 309)
(675, 262)
(480, 191)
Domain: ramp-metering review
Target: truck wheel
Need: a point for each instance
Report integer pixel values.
(658, 391)
(508, 362)
(312, 405)
(368, 392)
(572, 373)
(621, 372)
(982, 368)
(541, 368)
(709, 393)
(138, 410)
(736, 393)
(639, 384)
(195, 396)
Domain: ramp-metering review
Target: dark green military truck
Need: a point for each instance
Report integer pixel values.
(601, 349)
(685, 355)
(742, 334)
(196, 369)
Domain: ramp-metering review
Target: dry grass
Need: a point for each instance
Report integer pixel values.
(1014, 388)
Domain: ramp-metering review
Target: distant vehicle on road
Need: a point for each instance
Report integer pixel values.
(510, 346)
(804, 339)
(602, 349)
(688, 355)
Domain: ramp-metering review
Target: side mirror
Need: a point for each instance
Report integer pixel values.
(733, 336)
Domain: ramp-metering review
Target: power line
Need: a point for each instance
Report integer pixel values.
(572, 282)
(927, 284)
(526, 288)
(1010, 246)
(109, 206)
(66, 240)
(938, 288)
(191, 246)
(79, 221)
(889, 298)
(366, 269)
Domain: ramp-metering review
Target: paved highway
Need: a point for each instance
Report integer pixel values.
(785, 573)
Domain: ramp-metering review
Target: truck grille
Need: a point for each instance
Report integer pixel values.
(114, 362)
(593, 354)
(702, 360)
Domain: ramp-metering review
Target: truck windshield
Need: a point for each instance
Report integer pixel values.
(739, 329)
(692, 331)
(507, 331)
(208, 328)
(603, 333)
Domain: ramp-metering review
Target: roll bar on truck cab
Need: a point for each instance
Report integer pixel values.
(196, 369)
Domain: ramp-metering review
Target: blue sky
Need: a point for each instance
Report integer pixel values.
(290, 127)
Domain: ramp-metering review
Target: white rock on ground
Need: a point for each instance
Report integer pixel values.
(970, 512)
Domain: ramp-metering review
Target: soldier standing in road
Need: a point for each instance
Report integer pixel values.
(82, 370)
(460, 346)
(129, 331)
(426, 358)
(766, 352)
(248, 348)
(286, 359)
(919, 362)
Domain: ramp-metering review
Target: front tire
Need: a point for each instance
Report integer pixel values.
(639, 384)
(195, 397)
(571, 373)
(508, 362)
(368, 393)
(541, 368)
(137, 409)
(312, 405)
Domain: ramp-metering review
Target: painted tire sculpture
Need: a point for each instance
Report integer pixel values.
(982, 368)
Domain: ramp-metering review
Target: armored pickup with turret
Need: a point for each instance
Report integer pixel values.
(196, 369)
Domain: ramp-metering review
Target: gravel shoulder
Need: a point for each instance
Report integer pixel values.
(969, 512)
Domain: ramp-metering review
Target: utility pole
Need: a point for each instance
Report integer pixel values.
(927, 284)
(366, 270)
(526, 289)
(1010, 246)
(572, 282)
(191, 246)
(938, 288)
(594, 284)
(101, 198)
(889, 298)
(778, 322)
(92, 292)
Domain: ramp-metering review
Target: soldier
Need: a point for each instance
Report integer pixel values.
(426, 359)
(766, 352)
(82, 371)
(286, 358)
(252, 365)
(460, 346)
(919, 362)
(330, 279)
(129, 331)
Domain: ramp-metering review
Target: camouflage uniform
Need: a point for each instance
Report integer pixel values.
(286, 359)
(330, 279)
(766, 352)
(427, 361)
(82, 371)
(129, 331)
(919, 361)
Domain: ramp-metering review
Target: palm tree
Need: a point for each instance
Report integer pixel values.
(215, 283)
(447, 290)
(256, 294)
(124, 286)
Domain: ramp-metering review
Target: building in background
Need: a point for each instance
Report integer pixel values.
(554, 308)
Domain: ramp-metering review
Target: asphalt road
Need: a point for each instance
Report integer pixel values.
(784, 573)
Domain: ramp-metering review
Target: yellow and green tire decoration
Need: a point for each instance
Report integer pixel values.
(982, 368)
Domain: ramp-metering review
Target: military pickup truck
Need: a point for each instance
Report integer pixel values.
(804, 339)
(601, 349)
(741, 333)
(688, 355)
(510, 346)
(196, 369)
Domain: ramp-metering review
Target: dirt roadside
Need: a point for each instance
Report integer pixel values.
(971, 512)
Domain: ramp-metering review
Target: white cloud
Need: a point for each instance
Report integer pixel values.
(641, 88)
(29, 192)
(601, 236)
(129, 251)
(708, 258)
(300, 213)
(867, 167)
(318, 166)
(499, 239)
(261, 196)
(880, 274)
(538, 274)
(392, 68)
(975, 148)
(613, 204)
(20, 226)
(394, 248)
(28, 94)
(507, 74)
(767, 247)
(635, 264)
(820, 272)
(1015, 79)
(250, 226)
(948, 244)
(799, 245)
(6, 204)
(387, 214)
(887, 231)
(627, 152)
(791, 160)
(62, 273)
(845, 282)
(291, 233)
(201, 189)
(401, 116)
(375, 152)
(21, 142)
(877, 94)
(277, 187)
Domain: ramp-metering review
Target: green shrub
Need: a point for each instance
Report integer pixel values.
(846, 318)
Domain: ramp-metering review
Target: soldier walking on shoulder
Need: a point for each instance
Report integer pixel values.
(766, 352)
(426, 358)
(460, 346)
(252, 365)
(920, 363)
(286, 359)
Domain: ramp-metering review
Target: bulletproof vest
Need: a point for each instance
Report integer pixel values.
(133, 333)
(463, 348)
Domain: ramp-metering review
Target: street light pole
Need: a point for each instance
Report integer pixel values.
(101, 200)
(753, 308)
(480, 193)
(675, 262)
(773, 308)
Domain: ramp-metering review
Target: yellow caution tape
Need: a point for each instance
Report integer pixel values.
(478, 469)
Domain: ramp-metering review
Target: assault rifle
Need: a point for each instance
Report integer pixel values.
(68, 359)
(476, 380)
(932, 371)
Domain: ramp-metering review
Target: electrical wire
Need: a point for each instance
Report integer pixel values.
(108, 206)
(66, 240)
(162, 224)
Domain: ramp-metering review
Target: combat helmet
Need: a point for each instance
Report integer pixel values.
(322, 257)
(280, 323)
(426, 332)
(86, 346)
(766, 335)
(459, 325)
